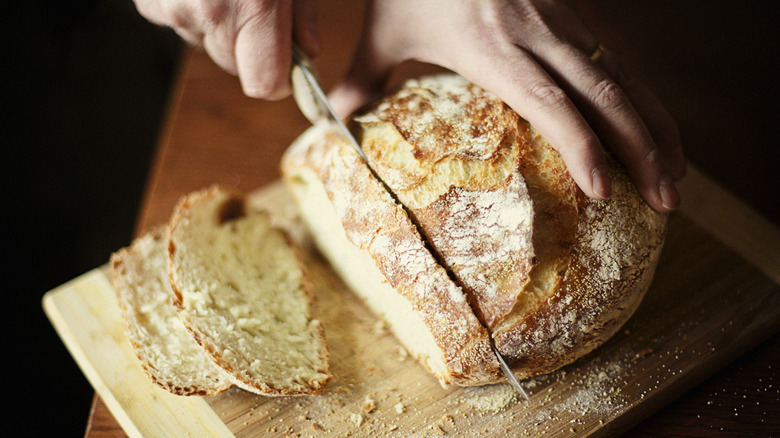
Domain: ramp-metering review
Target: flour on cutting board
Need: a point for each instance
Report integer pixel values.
(689, 322)
(386, 396)
(375, 396)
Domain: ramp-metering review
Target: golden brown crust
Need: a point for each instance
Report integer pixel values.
(451, 173)
(550, 272)
(436, 114)
(554, 284)
(608, 265)
(375, 223)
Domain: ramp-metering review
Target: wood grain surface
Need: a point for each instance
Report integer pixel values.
(213, 134)
(707, 306)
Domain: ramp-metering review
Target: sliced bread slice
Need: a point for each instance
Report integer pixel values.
(169, 354)
(241, 290)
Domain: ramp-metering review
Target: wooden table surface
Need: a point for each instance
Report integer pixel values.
(214, 134)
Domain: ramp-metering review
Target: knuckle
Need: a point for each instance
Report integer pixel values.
(653, 158)
(607, 94)
(546, 94)
(145, 10)
(586, 150)
(213, 13)
(178, 20)
(176, 17)
(534, 16)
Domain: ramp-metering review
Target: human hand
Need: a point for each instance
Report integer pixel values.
(248, 38)
(534, 55)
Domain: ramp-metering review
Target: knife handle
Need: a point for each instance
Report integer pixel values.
(303, 93)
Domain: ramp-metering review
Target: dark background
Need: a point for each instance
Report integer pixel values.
(85, 89)
(87, 83)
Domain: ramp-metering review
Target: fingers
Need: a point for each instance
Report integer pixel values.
(372, 63)
(248, 38)
(659, 122)
(628, 121)
(528, 89)
(218, 40)
(656, 162)
(522, 83)
(580, 109)
(263, 50)
(350, 94)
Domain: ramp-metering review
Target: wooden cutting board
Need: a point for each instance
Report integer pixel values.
(716, 294)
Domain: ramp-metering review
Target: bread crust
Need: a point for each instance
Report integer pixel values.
(551, 273)
(377, 225)
(605, 269)
(169, 355)
(452, 173)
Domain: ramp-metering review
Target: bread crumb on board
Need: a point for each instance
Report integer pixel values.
(357, 419)
(380, 327)
(490, 398)
(369, 405)
(401, 353)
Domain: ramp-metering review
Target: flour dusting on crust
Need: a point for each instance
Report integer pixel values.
(447, 104)
(551, 273)
(374, 222)
(449, 151)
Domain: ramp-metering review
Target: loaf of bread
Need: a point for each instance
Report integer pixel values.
(168, 353)
(527, 260)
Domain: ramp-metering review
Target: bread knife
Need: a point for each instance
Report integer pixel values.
(314, 105)
(507, 372)
(311, 99)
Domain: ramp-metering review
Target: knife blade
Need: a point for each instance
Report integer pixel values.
(311, 99)
(314, 105)
(507, 372)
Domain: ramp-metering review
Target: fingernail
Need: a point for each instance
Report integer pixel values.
(670, 198)
(600, 183)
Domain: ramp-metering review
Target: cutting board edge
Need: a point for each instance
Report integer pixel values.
(184, 408)
(730, 220)
(704, 192)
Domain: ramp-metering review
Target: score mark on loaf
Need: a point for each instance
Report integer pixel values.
(551, 273)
